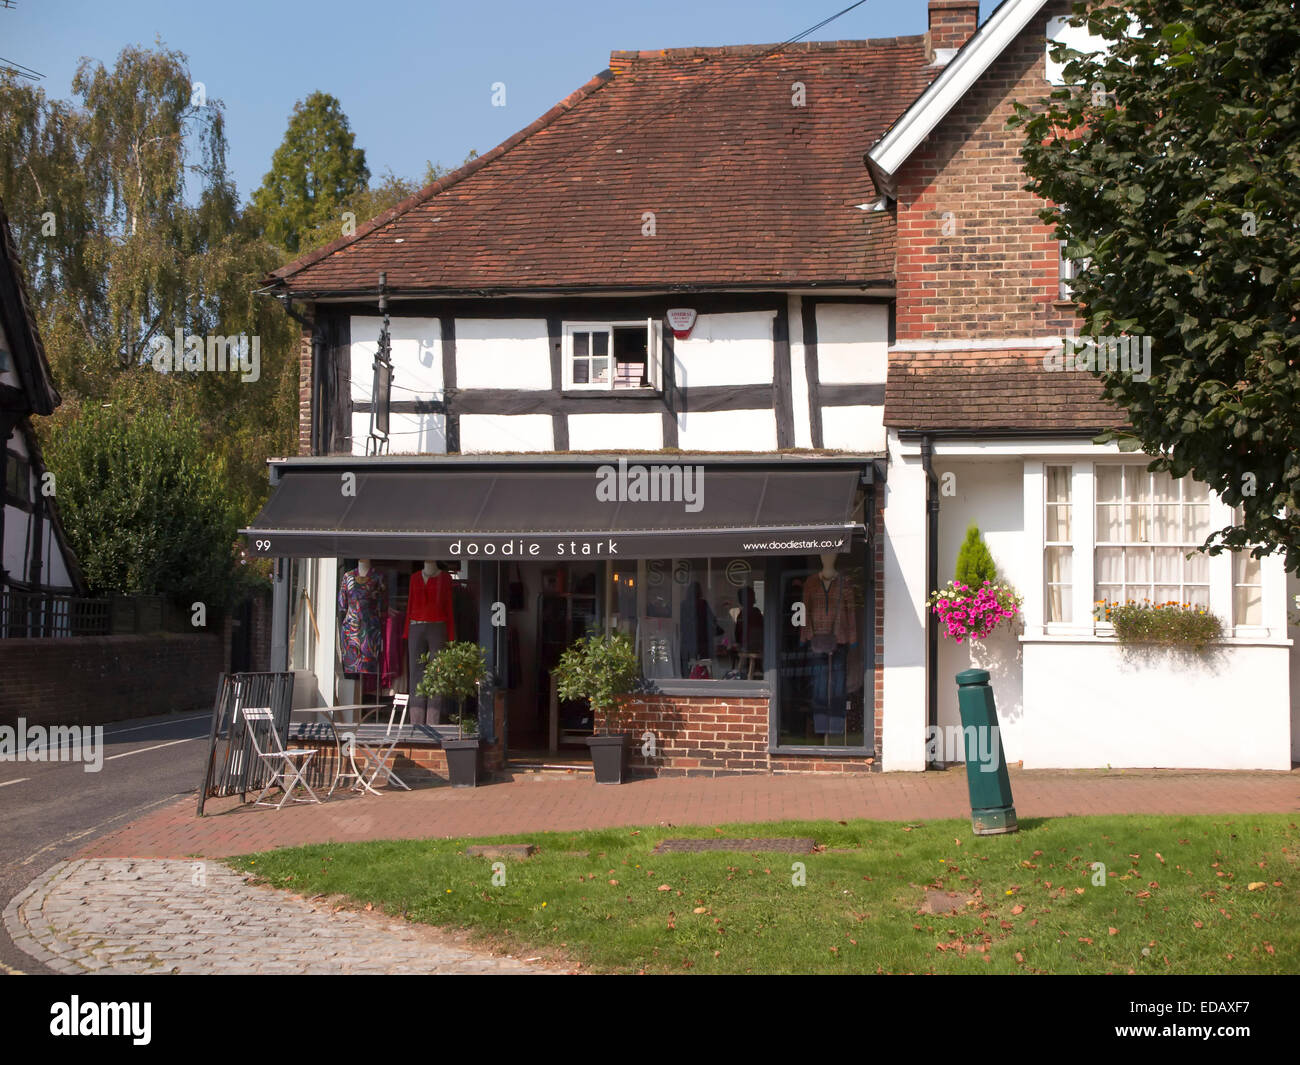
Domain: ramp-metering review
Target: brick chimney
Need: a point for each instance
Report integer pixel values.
(952, 24)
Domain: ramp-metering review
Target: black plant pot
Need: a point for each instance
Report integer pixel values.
(609, 758)
(462, 762)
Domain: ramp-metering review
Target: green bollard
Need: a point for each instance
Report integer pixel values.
(992, 813)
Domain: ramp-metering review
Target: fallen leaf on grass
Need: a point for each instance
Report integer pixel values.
(1197, 924)
(1017, 909)
(665, 887)
(1256, 886)
(1113, 931)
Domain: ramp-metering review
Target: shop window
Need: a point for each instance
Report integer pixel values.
(821, 665)
(1059, 549)
(1147, 527)
(692, 618)
(613, 355)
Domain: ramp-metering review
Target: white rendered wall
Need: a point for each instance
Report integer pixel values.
(860, 428)
(1095, 704)
(726, 349)
(799, 375)
(603, 432)
(989, 494)
(506, 432)
(1292, 590)
(408, 434)
(727, 430)
(502, 353)
(15, 545)
(852, 343)
(416, 351)
(903, 724)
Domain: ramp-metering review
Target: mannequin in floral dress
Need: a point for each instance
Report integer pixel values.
(363, 603)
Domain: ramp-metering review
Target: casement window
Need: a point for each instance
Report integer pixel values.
(18, 484)
(1146, 525)
(605, 356)
(1247, 585)
(1068, 270)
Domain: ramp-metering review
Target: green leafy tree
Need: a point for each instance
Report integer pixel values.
(975, 563)
(145, 507)
(1170, 164)
(314, 173)
(129, 228)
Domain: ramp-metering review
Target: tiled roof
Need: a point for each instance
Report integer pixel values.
(746, 188)
(992, 391)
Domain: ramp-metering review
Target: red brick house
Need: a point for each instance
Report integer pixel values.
(673, 361)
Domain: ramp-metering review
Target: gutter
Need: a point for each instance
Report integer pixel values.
(931, 584)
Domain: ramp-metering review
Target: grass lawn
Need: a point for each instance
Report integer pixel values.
(1206, 894)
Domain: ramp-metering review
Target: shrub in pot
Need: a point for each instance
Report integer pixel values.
(601, 669)
(456, 672)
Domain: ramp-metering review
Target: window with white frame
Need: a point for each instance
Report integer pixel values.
(604, 356)
(1247, 584)
(1147, 526)
(1058, 555)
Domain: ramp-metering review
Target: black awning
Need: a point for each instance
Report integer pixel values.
(636, 509)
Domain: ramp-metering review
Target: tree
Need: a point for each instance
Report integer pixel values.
(1170, 167)
(129, 228)
(144, 503)
(314, 172)
(975, 563)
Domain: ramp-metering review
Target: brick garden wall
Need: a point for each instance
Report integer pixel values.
(996, 274)
(94, 680)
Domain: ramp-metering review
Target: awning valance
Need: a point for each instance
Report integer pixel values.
(635, 508)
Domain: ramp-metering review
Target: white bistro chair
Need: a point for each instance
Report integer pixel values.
(376, 756)
(286, 766)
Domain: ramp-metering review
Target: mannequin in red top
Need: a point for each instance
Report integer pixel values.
(430, 626)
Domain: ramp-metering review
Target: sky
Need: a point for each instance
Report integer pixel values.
(416, 80)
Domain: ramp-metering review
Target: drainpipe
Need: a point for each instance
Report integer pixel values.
(931, 585)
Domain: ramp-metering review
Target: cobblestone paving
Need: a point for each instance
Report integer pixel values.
(120, 915)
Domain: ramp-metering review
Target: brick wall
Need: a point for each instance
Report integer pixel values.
(93, 680)
(996, 273)
(952, 22)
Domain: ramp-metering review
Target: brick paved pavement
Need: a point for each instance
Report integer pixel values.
(572, 804)
(167, 916)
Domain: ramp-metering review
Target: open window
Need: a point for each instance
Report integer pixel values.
(608, 356)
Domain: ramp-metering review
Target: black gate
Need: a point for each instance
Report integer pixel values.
(233, 766)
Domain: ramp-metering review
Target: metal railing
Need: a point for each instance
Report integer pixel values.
(233, 766)
(47, 615)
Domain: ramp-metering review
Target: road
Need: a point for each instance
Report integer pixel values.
(50, 810)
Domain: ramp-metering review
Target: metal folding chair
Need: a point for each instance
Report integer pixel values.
(377, 757)
(286, 766)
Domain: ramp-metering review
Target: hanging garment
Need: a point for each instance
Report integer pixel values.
(426, 637)
(431, 600)
(830, 617)
(829, 697)
(363, 602)
(394, 648)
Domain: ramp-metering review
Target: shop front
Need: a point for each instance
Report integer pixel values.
(747, 584)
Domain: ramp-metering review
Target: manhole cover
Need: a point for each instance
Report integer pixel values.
(696, 846)
(937, 901)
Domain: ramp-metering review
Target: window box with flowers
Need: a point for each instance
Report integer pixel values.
(1168, 624)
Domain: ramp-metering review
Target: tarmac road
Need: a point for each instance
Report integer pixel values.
(50, 810)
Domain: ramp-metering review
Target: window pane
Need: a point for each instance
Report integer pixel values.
(580, 345)
(1198, 595)
(1137, 484)
(1167, 593)
(1196, 570)
(581, 371)
(599, 370)
(1247, 605)
(1245, 570)
(1059, 562)
(1111, 593)
(1137, 567)
(1137, 528)
(1110, 524)
(1108, 484)
(1058, 522)
(1110, 565)
(1165, 488)
(1195, 491)
(1166, 526)
(1196, 523)
(600, 344)
(1169, 565)
(1058, 484)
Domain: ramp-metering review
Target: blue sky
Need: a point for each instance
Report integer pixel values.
(415, 79)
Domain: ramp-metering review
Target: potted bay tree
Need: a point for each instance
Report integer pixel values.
(455, 672)
(603, 670)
